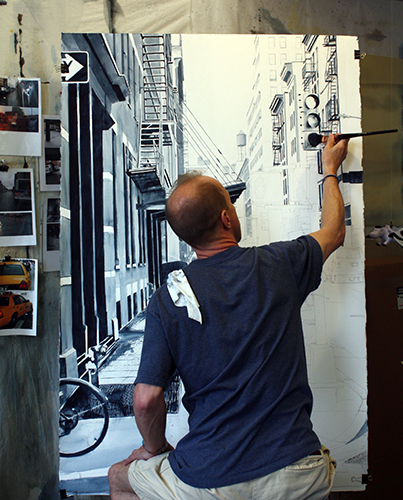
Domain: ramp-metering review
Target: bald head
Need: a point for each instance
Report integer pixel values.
(194, 208)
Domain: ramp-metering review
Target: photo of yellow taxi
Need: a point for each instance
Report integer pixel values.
(12, 307)
(14, 275)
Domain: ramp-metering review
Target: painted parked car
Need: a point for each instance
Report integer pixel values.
(12, 307)
(14, 276)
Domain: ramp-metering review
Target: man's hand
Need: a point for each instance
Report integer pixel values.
(139, 454)
(333, 154)
(142, 454)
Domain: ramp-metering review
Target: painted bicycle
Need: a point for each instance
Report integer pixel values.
(83, 417)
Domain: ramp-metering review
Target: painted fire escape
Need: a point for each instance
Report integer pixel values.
(331, 122)
(278, 129)
(150, 175)
(309, 69)
(161, 114)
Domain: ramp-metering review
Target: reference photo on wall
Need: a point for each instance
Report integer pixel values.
(18, 296)
(50, 174)
(20, 111)
(51, 235)
(17, 207)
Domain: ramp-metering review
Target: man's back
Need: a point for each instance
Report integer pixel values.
(244, 367)
(243, 421)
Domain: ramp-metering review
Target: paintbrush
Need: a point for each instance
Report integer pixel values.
(316, 139)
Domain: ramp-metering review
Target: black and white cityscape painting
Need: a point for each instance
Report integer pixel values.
(235, 107)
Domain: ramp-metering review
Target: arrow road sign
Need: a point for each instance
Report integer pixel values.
(74, 67)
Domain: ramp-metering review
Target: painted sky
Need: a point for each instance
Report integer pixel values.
(218, 82)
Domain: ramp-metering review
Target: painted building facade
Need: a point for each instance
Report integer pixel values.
(271, 53)
(322, 97)
(123, 149)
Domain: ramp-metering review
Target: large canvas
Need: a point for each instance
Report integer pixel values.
(239, 108)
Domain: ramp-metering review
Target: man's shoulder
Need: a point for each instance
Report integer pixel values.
(159, 296)
(293, 251)
(303, 241)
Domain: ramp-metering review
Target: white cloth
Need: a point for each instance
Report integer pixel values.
(182, 294)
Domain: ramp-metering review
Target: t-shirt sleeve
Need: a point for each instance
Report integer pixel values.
(306, 258)
(156, 363)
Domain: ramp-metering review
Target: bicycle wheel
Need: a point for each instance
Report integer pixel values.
(83, 417)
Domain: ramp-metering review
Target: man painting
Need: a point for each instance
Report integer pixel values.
(238, 347)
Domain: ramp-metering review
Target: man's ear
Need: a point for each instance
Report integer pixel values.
(225, 219)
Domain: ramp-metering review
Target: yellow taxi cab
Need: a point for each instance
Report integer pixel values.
(12, 307)
(14, 276)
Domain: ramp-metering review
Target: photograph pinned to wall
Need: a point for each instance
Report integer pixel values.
(18, 296)
(20, 112)
(51, 235)
(17, 207)
(50, 171)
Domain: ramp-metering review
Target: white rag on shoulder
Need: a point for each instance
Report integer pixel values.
(182, 294)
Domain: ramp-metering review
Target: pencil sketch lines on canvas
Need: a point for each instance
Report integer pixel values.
(147, 111)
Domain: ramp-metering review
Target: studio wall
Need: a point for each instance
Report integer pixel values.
(31, 40)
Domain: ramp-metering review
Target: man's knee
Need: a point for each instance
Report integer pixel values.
(112, 474)
(117, 476)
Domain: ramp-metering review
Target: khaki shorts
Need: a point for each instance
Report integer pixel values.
(310, 478)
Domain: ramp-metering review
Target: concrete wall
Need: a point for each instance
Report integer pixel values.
(30, 47)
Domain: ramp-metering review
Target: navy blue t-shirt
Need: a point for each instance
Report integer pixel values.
(244, 368)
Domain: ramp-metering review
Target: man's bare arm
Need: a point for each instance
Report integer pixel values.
(150, 413)
(331, 234)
